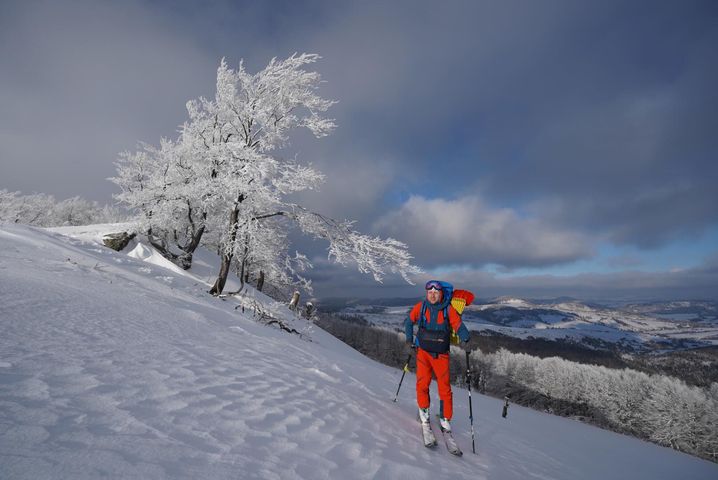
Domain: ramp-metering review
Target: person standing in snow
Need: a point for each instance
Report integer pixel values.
(432, 347)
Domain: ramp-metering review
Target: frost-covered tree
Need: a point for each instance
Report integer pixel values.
(679, 416)
(164, 186)
(660, 408)
(224, 180)
(264, 254)
(76, 211)
(42, 210)
(7, 204)
(35, 209)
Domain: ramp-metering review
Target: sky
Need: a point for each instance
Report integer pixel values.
(555, 148)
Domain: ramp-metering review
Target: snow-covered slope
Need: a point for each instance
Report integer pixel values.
(114, 367)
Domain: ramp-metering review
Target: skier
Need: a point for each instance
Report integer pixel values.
(432, 352)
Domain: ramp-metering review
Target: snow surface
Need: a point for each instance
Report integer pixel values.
(114, 367)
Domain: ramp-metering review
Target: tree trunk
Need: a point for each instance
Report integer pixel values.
(241, 275)
(160, 246)
(184, 259)
(241, 269)
(227, 257)
(260, 281)
(222, 277)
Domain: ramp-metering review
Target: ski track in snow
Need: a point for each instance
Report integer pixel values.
(111, 367)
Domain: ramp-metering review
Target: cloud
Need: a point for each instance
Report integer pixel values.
(467, 231)
(687, 284)
(613, 139)
(647, 217)
(596, 118)
(355, 185)
(696, 283)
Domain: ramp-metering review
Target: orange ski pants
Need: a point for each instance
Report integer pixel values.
(426, 366)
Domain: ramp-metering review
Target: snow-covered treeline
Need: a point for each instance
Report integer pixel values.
(225, 181)
(42, 210)
(660, 408)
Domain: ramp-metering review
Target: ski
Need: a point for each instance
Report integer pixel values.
(450, 443)
(428, 435)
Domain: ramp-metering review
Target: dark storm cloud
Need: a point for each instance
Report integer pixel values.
(599, 119)
(615, 132)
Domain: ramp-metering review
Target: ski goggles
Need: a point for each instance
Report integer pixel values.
(433, 285)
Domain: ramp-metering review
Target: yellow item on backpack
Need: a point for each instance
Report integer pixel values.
(458, 304)
(459, 300)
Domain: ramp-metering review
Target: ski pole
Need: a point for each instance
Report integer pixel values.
(471, 411)
(406, 369)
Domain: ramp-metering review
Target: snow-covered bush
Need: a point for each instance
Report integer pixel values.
(657, 407)
(42, 210)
